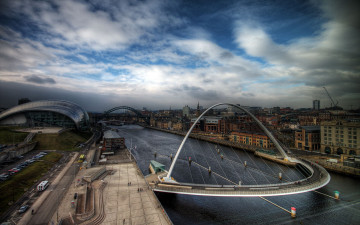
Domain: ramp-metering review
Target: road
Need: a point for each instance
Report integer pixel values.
(47, 209)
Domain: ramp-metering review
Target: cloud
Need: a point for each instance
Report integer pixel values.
(151, 53)
(329, 58)
(39, 80)
(101, 25)
(196, 92)
(256, 42)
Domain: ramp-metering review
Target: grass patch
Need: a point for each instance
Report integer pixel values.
(17, 185)
(9, 136)
(66, 141)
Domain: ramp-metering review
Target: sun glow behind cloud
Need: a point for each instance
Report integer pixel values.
(158, 53)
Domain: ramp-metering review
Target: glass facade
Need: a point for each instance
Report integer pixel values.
(51, 113)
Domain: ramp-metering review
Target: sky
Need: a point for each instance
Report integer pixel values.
(160, 54)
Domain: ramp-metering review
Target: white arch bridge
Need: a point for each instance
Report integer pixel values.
(316, 178)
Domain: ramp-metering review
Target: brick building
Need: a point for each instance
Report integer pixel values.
(308, 138)
(256, 139)
(112, 141)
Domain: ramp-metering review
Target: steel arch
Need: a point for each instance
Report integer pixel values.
(122, 107)
(267, 132)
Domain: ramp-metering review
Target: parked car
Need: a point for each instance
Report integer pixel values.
(4, 176)
(23, 208)
(14, 170)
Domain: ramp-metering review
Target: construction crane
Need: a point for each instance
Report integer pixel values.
(333, 103)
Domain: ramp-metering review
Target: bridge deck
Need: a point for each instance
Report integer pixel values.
(319, 178)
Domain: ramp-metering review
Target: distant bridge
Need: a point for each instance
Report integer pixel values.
(317, 176)
(138, 114)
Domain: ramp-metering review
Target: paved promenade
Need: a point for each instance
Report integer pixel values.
(124, 204)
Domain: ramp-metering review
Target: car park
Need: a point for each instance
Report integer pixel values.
(23, 208)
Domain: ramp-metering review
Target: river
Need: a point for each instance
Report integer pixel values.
(311, 207)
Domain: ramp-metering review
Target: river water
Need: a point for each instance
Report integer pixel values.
(311, 207)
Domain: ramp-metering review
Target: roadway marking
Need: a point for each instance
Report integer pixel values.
(274, 204)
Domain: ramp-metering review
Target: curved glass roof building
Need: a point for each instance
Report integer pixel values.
(46, 113)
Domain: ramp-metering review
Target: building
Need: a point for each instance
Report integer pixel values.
(112, 141)
(186, 111)
(46, 113)
(198, 111)
(308, 138)
(340, 137)
(316, 105)
(212, 124)
(257, 139)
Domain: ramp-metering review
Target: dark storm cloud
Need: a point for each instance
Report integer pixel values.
(196, 92)
(39, 80)
(10, 92)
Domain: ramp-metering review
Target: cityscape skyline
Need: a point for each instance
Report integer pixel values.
(159, 54)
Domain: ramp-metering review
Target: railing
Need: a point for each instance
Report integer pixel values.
(303, 185)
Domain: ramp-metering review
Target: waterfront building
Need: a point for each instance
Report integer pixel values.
(308, 138)
(46, 113)
(340, 137)
(256, 139)
(178, 126)
(212, 124)
(112, 141)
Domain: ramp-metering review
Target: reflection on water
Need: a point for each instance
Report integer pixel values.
(311, 207)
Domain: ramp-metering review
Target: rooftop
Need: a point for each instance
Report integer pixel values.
(109, 134)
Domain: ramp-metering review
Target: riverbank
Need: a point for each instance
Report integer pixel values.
(332, 166)
(226, 143)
